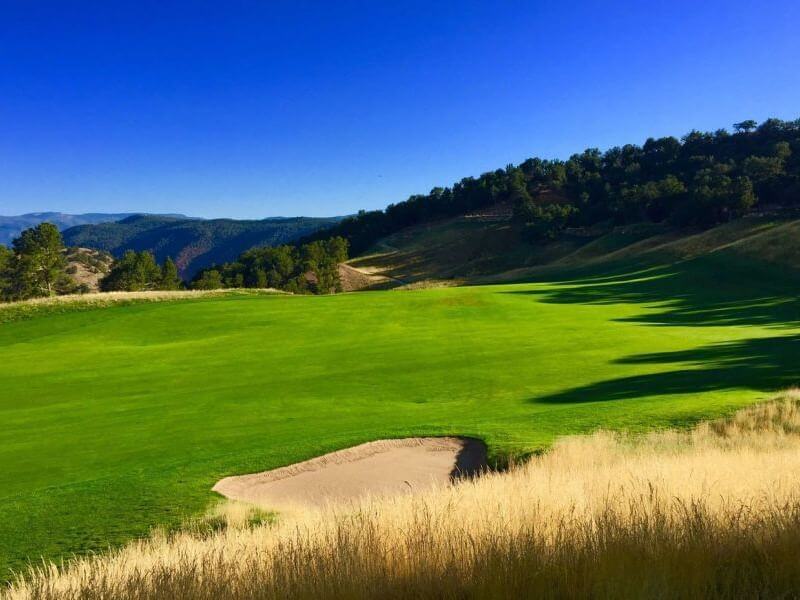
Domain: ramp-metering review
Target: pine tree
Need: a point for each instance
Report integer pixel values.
(170, 280)
(6, 264)
(39, 269)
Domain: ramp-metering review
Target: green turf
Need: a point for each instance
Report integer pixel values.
(120, 418)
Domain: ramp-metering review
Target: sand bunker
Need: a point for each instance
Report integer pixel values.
(378, 468)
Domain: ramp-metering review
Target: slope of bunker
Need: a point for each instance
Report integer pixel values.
(381, 468)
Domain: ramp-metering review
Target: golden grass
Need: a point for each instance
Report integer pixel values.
(709, 513)
(429, 284)
(103, 298)
(26, 309)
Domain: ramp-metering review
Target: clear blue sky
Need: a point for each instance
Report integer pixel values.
(253, 109)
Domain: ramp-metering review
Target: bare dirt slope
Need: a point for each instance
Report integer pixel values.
(354, 280)
(87, 267)
(386, 467)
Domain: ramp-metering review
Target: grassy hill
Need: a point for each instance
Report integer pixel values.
(475, 249)
(192, 243)
(121, 418)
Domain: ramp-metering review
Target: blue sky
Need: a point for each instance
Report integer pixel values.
(255, 109)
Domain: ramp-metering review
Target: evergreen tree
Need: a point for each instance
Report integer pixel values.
(6, 264)
(135, 271)
(745, 126)
(170, 280)
(210, 279)
(40, 265)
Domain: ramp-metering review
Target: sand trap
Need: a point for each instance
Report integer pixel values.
(385, 467)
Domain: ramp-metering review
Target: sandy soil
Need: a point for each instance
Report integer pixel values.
(354, 279)
(380, 468)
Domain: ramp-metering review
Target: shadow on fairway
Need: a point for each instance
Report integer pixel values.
(758, 363)
(698, 293)
(706, 292)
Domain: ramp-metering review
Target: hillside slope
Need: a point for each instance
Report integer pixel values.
(192, 243)
(471, 249)
(87, 266)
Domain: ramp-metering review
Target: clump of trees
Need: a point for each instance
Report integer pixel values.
(701, 179)
(542, 221)
(35, 265)
(6, 262)
(139, 271)
(309, 268)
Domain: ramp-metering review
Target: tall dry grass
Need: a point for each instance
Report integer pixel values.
(149, 295)
(26, 309)
(709, 513)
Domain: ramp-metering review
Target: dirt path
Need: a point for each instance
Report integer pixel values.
(378, 468)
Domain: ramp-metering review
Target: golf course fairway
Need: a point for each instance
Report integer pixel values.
(118, 419)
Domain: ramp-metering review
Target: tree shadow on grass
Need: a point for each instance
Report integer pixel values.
(712, 291)
(698, 293)
(757, 363)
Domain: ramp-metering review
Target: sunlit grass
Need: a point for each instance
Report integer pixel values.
(713, 512)
(120, 418)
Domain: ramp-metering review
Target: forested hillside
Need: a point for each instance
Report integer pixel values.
(192, 243)
(702, 179)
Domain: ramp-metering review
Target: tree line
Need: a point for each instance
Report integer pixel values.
(308, 268)
(702, 179)
(36, 266)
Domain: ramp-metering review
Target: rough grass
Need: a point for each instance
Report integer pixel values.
(713, 512)
(119, 419)
(464, 250)
(26, 309)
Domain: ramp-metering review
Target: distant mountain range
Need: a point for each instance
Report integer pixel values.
(192, 243)
(11, 227)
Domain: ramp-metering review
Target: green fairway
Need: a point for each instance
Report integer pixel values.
(120, 418)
